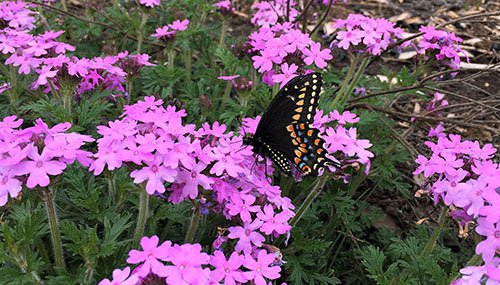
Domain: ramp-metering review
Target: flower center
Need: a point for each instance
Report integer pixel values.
(453, 184)
(193, 174)
(4, 180)
(224, 159)
(247, 232)
(136, 153)
(227, 270)
(259, 269)
(154, 168)
(182, 267)
(497, 234)
(39, 164)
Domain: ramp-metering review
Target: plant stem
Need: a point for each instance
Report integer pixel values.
(193, 225)
(142, 216)
(48, 198)
(223, 33)
(355, 81)
(140, 31)
(171, 57)
(225, 96)
(307, 202)
(431, 243)
(188, 60)
(345, 83)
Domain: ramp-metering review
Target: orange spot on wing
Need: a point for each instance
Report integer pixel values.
(298, 153)
(300, 103)
(317, 141)
(310, 133)
(296, 117)
(319, 150)
(297, 160)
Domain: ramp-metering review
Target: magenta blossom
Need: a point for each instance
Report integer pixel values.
(151, 256)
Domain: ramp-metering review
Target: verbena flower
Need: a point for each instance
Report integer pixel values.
(440, 46)
(287, 49)
(364, 34)
(463, 175)
(36, 153)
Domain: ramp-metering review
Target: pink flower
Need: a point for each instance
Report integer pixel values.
(488, 247)
(277, 223)
(192, 178)
(264, 61)
(179, 25)
(242, 205)
(39, 168)
(228, 77)
(150, 257)
(289, 72)
(164, 31)
(261, 268)
(316, 55)
(227, 270)
(187, 260)
(121, 277)
(150, 3)
(8, 185)
(156, 174)
(247, 236)
(348, 38)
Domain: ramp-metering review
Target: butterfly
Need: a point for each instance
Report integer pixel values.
(285, 132)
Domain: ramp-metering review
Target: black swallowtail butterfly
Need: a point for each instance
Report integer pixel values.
(285, 133)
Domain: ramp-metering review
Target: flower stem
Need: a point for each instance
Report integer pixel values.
(142, 216)
(193, 225)
(48, 198)
(355, 81)
(223, 33)
(140, 31)
(345, 83)
(225, 96)
(171, 58)
(188, 60)
(320, 183)
(431, 243)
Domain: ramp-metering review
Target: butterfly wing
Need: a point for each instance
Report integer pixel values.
(285, 128)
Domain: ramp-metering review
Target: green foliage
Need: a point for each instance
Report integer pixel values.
(336, 241)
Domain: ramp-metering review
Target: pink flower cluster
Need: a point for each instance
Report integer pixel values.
(167, 33)
(441, 45)
(30, 155)
(47, 57)
(286, 48)
(343, 140)
(187, 264)
(463, 175)
(15, 15)
(153, 141)
(270, 12)
(364, 34)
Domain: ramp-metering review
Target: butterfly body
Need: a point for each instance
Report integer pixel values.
(285, 132)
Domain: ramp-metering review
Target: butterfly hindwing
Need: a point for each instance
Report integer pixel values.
(309, 153)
